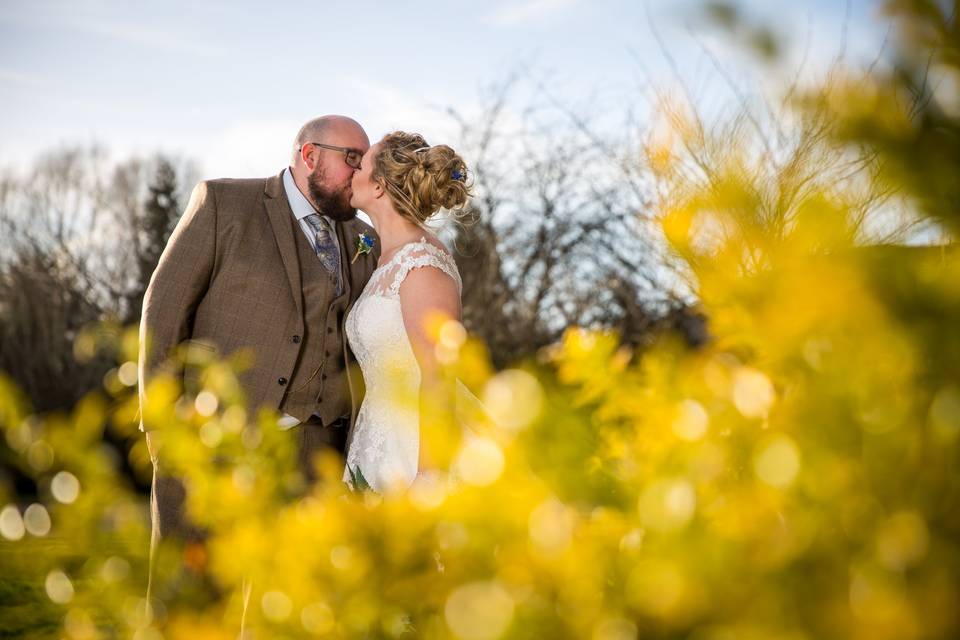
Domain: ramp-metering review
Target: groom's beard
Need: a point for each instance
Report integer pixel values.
(335, 204)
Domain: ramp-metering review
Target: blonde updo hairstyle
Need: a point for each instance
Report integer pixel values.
(420, 179)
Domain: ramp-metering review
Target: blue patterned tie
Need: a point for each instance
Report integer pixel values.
(326, 247)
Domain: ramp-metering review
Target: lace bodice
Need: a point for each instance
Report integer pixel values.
(385, 442)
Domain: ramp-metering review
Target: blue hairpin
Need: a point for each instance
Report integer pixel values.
(457, 175)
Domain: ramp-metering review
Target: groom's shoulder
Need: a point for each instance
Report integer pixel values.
(236, 186)
(232, 194)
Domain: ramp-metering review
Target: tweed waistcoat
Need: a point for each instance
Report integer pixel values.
(318, 385)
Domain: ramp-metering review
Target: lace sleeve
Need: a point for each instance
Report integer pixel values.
(424, 254)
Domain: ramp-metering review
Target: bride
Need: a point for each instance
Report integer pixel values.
(401, 183)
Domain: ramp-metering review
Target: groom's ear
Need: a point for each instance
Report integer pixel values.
(307, 157)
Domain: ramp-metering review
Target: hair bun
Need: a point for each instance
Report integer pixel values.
(446, 191)
(421, 179)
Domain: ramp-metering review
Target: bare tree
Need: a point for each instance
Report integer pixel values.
(562, 233)
(80, 239)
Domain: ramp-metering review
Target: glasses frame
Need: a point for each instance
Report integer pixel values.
(347, 151)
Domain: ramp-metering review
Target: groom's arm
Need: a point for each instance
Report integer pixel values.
(176, 288)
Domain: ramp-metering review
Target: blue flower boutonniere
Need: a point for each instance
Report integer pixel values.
(364, 245)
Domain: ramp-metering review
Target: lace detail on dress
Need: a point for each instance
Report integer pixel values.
(385, 442)
(424, 254)
(387, 278)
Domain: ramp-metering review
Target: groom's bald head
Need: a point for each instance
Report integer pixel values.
(324, 128)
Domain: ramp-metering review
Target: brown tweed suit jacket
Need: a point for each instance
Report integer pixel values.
(229, 278)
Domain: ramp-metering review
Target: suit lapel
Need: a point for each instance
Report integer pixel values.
(345, 255)
(281, 219)
(359, 271)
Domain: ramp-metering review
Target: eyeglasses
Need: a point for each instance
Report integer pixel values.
(351, 156)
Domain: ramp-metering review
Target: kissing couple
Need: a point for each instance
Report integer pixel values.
(281, 267)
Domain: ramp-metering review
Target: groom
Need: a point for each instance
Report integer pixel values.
(266, 265)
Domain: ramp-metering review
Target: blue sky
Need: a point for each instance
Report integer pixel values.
(228, 83)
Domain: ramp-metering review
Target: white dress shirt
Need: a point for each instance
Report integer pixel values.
(302, 208)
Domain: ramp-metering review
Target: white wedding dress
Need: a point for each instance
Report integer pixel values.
(385, 445)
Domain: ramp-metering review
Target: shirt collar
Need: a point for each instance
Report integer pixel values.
(299, 204)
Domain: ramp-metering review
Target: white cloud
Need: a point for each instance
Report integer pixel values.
(98, 19)
(148, 37)
(246, 149)
(392, 109)
(261, 147)
(517, 13)
(28, 80)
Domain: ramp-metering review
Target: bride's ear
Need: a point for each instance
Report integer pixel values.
(378, 189)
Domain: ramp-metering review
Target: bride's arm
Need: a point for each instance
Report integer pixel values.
(427, 296)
